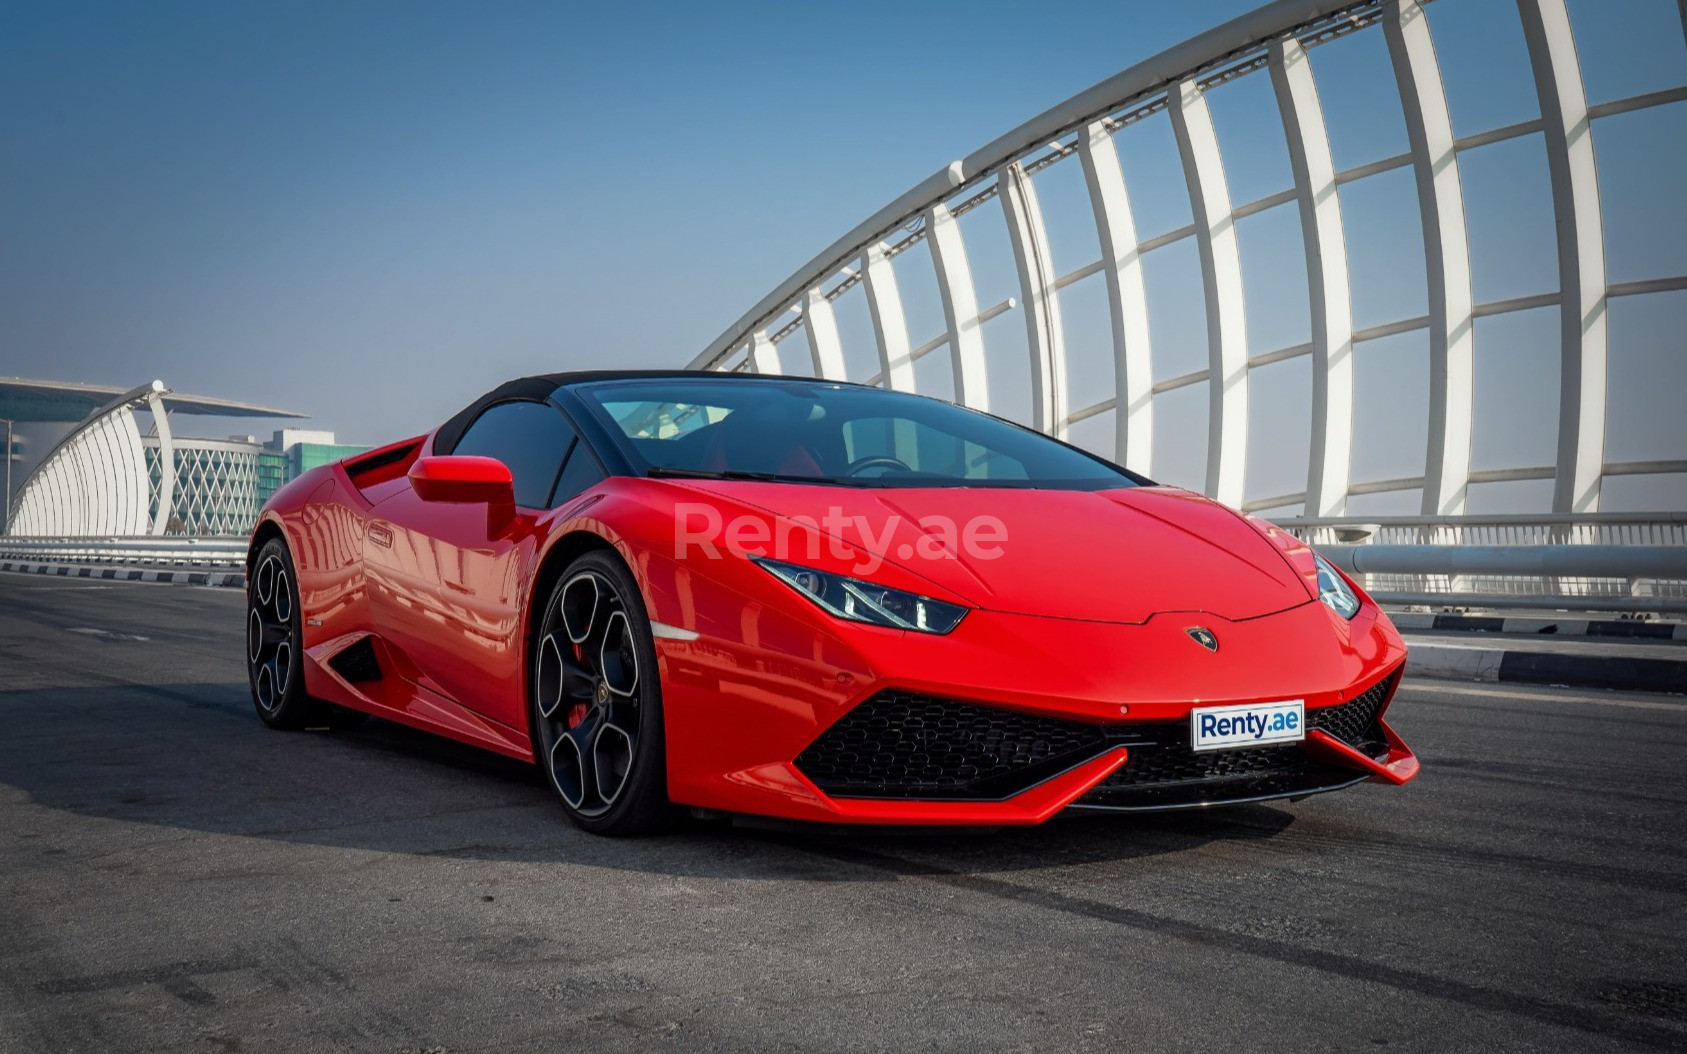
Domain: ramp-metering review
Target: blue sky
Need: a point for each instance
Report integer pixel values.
(374, 211)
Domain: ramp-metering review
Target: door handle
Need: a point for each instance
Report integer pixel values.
(381, 535)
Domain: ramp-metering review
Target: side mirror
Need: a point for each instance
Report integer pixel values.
(463, 480)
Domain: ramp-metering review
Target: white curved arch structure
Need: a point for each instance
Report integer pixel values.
(1273, 43)
(96, 480)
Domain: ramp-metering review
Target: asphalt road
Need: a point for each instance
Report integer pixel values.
(174, 876)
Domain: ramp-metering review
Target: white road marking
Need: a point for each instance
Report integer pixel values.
(78, 588)
(105, 634)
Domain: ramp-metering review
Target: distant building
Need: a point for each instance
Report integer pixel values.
(109, 477)
(292, 453)
(216, 486)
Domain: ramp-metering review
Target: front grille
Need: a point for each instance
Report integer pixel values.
(899, 745)
(1357, 722)
(1162, 771)
(1169, 760)
(902, 745)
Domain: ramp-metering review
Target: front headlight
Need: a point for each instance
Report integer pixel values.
(862, 601)
(1333, 590)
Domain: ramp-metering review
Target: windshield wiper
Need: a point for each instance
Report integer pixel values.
(673, 472)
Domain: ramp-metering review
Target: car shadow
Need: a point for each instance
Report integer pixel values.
(195, 757)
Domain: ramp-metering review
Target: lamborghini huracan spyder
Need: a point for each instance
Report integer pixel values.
(813, 600)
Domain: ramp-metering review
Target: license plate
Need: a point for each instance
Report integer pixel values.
(1230, 727)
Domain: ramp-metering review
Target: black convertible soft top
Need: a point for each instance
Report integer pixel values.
(538, 388)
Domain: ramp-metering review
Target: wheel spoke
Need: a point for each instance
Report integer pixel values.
(617, 660)
(561, 679)
(283, 663)
(581, 599)
(571, 762)
(548, 678)
(612, 760)
(256, 644)
(283, 605)
(263, 586)
(266, 687)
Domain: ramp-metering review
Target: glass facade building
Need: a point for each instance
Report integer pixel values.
(293, 452)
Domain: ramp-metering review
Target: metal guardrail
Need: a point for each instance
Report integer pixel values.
(1631, 578)
(1605, 528)
(1620, 562)
(222, 552)
(1603, 562)
(1581, 561)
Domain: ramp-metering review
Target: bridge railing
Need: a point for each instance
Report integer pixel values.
(210, 553)
(1608, 562)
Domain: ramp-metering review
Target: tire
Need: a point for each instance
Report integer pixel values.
(274, 636)
(595, 701)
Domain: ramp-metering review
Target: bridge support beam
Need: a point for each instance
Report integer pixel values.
(823, 343)
(1127, 299)
(890, 327)
(1326, 278)
(1221, 276)
(960, 308)
(764, 355)
(1043, 334)
(166, 460)
(1446, 252)
(1581, 254)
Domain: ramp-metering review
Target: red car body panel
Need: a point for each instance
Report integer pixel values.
(1084, 617)
(1241, 574)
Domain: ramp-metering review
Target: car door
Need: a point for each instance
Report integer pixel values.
(446, 579)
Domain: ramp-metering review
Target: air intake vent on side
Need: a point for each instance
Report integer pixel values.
(358, 663)
(382, 464)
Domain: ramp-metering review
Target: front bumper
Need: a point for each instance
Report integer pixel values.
(1062, 714)
(1345, 744)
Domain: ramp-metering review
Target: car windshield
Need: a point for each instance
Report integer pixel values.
(816, 432)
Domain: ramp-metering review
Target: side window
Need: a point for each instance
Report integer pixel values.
(531, 438)
(579, 473)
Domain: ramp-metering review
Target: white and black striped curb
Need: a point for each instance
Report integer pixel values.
(1617, 629)
(1492, 661)
(178, 576)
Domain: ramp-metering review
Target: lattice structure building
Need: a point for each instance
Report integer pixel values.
(216, 487)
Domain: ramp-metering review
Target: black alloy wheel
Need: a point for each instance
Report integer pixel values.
(596, 701)
(274, 655)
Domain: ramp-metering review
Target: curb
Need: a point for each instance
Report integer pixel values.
(1630, 629)
(235, 579)
(1624, 673)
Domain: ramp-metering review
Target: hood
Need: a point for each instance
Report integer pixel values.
(1110, 556)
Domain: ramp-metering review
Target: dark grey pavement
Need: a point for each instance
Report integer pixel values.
(173, 876)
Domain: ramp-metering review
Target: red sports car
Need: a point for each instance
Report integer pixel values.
(817, 601)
